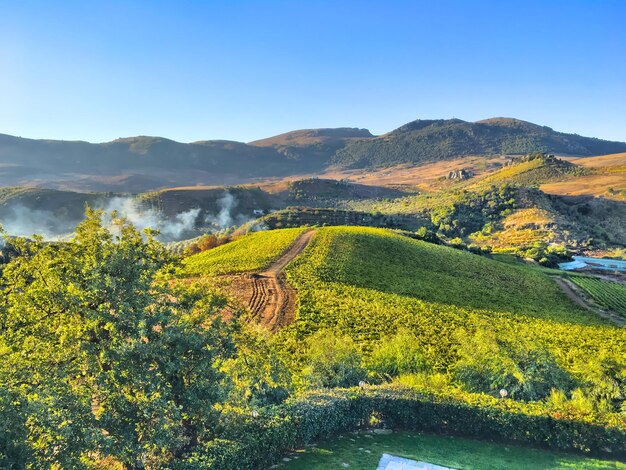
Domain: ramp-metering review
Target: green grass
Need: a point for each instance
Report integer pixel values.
(393, 264)
(367, 283)
(252, 252)
(362, 451)
(607, 293)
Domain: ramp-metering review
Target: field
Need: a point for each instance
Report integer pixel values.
(362, 451)
(251, 252)
(593, 185)
(367, 283)
(607, 293)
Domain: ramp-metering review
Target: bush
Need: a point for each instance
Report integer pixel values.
(487, 365)
(397, 354)
(332, 361)
(257, 443)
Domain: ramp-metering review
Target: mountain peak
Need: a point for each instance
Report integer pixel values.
(310, 136)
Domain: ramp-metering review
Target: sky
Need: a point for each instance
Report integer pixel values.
(244, 70)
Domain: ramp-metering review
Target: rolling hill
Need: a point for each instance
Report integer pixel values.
(142, 163)
(428, 140)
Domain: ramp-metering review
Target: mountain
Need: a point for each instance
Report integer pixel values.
(143, 163)
(429, 140)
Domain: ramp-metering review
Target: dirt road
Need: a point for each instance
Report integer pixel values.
(574, 294)
(272, 300)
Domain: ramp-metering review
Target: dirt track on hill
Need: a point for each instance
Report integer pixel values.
(574, 294)
(268, 296)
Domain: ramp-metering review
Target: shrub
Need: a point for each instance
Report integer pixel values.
(397, 354)
(332, 361)
(257, 443)
(487, 365)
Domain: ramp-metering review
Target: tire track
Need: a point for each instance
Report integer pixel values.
(273, 301)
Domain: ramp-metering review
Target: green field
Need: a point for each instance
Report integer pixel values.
(252, 252)
(607, 293)
(362, 451)
(367, 283)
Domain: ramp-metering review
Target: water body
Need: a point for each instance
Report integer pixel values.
(581, 262)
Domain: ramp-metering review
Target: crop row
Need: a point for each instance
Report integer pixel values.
(607, 293)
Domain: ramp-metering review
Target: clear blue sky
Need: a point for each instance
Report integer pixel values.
(242, 70)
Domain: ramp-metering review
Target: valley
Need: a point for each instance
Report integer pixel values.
(414, 294)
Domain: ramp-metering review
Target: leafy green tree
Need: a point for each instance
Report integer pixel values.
(259, 373)
(110, 360)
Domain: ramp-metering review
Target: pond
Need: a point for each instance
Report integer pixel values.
(594, 263)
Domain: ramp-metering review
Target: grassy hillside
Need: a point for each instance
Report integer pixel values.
(367, 283)
(608, 294)
(249, 253)
(428, 140)
(535, 170)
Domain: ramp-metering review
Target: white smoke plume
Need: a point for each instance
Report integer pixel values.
(226, 217)
(183, 223)
(19, 220)
(23, 221)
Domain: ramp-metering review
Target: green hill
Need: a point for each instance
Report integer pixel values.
(429, 140)
(252, 252)
(370, 283)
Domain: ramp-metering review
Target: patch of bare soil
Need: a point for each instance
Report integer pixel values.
(267, 294)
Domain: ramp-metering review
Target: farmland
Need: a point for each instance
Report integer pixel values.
(251, 252)
(367, 283)
(609, 294)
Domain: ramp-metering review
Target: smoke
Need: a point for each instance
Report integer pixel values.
(226, 217)
(19, 220)
(23, 221)
(183, 224)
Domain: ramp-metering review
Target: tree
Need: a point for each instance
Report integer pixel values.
(111, 360)
(259, 372)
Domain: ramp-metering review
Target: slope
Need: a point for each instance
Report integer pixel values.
(430, 140)
(367, 283)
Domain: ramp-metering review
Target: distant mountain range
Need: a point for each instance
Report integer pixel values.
(142, 163)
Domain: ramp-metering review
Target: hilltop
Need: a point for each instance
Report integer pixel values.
(142, 163)
(430, 140)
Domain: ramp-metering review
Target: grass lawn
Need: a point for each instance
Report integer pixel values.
(363, 451)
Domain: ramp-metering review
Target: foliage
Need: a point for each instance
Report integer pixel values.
(102, 356)
(206, 242)
(252, 252)
(258, 372)
(397, 354)
(472, 211)
(332, 361)
(259, 442)
(607, 293)
(489, 365)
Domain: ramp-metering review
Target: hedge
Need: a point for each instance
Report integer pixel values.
(254, 443)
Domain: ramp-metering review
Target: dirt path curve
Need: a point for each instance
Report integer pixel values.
(273, 301)
(573, 293)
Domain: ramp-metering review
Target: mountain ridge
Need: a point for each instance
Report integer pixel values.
(45, 162)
